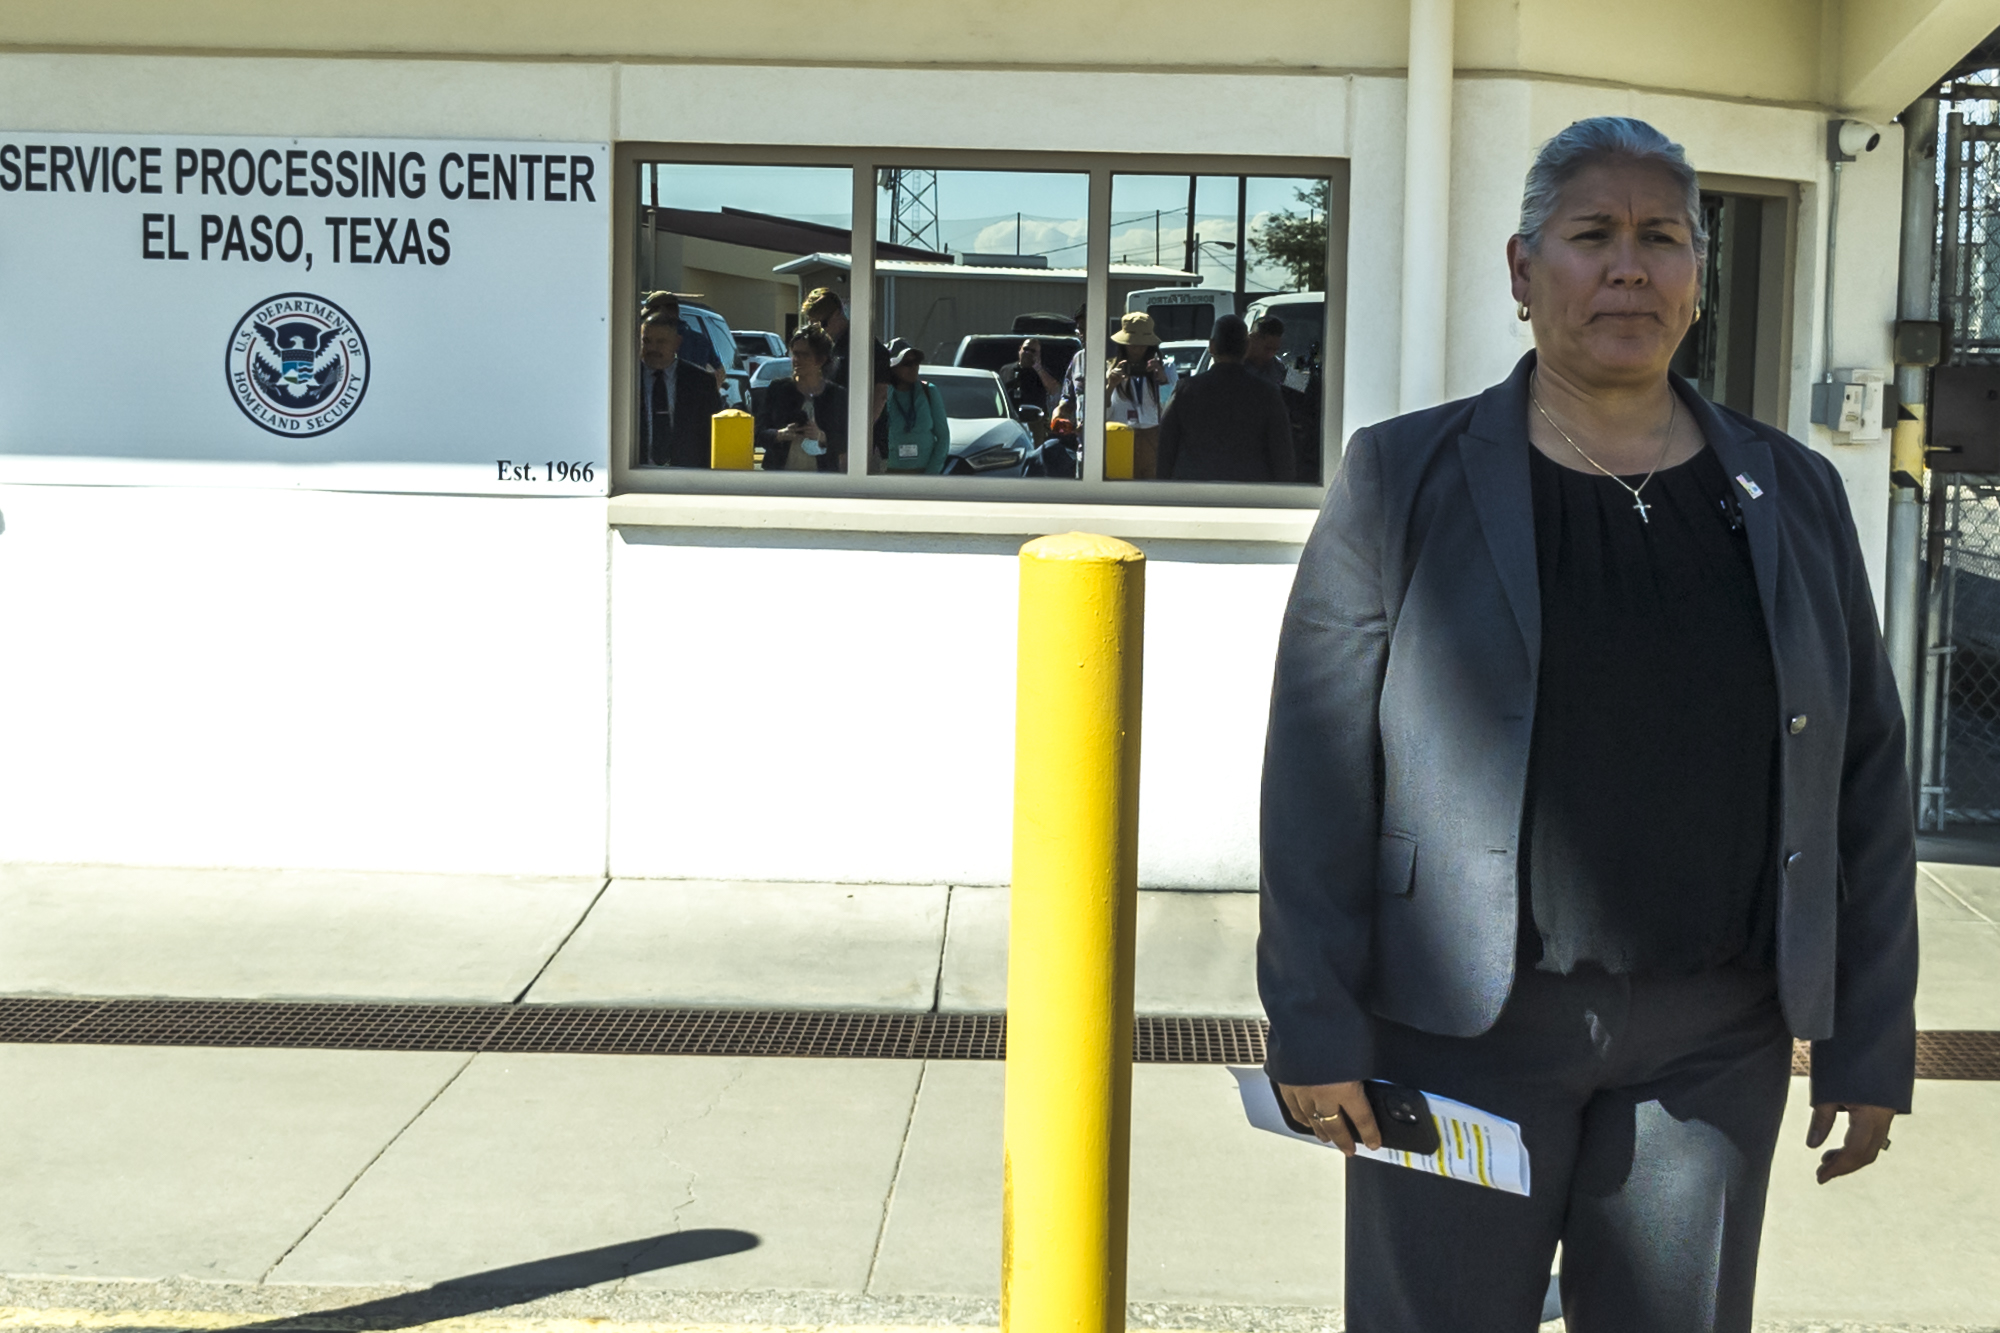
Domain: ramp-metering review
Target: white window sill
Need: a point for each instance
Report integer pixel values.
(790, 513)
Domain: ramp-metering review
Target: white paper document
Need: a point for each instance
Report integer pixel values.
(1476, 1146)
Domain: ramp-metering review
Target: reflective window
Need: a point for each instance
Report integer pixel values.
(1732, 356)
(979, 296)
(727, 257)
(1217, 370)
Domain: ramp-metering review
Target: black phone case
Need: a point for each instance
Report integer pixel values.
(1402, 1114)
(1404, 1117)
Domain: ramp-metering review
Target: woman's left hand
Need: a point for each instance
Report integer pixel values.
(1867, 1136)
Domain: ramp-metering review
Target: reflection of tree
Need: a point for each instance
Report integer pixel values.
(1296, 242)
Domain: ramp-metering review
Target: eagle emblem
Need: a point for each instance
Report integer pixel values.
(297, 365)
(298, 359)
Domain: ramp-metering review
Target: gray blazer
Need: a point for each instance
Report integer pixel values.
(1397, 757)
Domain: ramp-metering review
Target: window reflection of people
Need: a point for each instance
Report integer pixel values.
(824, 307)
(804, 425)
(919, 433)
(1136, 377)
(1226, 424)
(696, 349)
(1030, 380)
(1260, 355)
(677, 401)
(1585, 795)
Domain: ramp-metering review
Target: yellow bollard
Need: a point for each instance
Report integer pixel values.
(1069, 961)
(1117, 451)
(732, 440)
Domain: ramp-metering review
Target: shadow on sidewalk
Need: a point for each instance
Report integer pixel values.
(496, 1288)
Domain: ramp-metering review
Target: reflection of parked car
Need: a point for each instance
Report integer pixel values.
(735, 392)
(1185, 357)
(753, 348)
(753, 345)
(990, 351)
(767, 372)
(985, 440)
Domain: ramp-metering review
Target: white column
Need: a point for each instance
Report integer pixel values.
(1426, 205)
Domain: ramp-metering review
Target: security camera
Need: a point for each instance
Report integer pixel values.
(1849, 139)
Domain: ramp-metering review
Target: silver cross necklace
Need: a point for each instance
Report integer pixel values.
(1638, 501)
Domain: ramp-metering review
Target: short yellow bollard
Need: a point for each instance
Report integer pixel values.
(732, 440)
(1069, 961)
(1118, 451)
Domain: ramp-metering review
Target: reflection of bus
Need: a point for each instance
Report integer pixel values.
(1182, 314)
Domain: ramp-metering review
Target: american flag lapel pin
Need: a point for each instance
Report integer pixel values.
(1750, 488)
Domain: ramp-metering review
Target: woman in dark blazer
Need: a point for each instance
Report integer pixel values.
(1584, 794)
(803, 426)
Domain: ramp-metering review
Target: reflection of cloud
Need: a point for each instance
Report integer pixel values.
(1037, 236)
(1132, 242)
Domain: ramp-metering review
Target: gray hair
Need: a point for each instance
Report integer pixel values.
(1590, 142)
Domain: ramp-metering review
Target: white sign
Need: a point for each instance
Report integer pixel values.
(405, 315)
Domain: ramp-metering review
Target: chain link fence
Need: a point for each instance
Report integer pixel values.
(1958, 720)
(1961, 720)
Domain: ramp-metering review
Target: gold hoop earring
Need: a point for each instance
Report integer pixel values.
(1521, 312)
(1697, 314)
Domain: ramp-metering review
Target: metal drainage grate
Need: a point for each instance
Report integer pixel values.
(581, 1029)
(588, 1030)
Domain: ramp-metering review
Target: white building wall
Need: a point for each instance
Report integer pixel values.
(285, 678)
(814, 708)
(297, 678)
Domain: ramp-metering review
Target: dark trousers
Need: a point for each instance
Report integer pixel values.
(1650, 1110)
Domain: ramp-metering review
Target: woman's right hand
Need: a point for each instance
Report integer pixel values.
(1319, 1106)
(812, 431)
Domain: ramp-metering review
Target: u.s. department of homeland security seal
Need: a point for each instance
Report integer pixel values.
(297, 365)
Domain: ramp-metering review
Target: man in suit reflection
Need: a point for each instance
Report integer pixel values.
(676, 400)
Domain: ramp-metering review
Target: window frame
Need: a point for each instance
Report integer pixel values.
(1092, 487)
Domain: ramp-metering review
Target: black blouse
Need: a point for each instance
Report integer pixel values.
(1652, 768)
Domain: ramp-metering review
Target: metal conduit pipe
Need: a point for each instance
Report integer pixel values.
(1426, 205)
(1904, 594)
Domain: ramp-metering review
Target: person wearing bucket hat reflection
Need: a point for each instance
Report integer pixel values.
(1137, 378)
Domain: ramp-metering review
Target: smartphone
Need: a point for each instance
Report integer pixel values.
(1402, 1114)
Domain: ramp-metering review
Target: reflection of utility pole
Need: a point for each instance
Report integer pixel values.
(1211, 245)
(653, 227)
(1189, 265)
(913, 206)
(1242, 246)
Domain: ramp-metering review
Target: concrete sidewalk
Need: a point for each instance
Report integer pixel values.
(320, 935)
(224, 1187)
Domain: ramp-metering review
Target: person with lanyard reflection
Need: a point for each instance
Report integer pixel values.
(919, 432)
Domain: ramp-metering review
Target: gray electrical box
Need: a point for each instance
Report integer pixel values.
(1919, 342)
(1965, 419)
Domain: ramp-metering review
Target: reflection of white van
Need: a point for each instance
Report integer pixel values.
(1182, 314)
